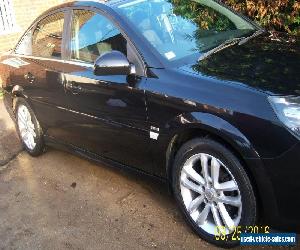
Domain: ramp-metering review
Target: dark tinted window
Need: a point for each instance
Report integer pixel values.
(92, 35)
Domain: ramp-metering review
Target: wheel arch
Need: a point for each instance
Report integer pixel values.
(205, 124)
(217, 129)
(190, 133)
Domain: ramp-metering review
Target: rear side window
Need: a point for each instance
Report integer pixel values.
(92, 35)
(46, 38)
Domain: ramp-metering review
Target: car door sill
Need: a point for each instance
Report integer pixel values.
(53, 142)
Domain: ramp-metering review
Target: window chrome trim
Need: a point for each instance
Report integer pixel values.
(68, 11)
(78, 63)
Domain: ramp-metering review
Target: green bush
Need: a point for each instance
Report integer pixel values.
(279, 15)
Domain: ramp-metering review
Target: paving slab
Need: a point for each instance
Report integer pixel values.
(10, 144)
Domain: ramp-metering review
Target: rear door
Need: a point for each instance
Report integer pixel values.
(39, 70)
(109, 112)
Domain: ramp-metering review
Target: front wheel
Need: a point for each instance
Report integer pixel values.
(29, 129)
(213, 191)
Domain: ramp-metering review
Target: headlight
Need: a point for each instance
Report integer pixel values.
(288, 111)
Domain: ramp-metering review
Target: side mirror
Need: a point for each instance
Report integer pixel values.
(113, 63)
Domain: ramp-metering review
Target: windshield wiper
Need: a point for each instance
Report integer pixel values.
(255, 34)
(231, 42)
(222, 46)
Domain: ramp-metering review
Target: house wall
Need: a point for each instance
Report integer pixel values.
(25, 12)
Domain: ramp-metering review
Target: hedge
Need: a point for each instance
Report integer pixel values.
(279, 15)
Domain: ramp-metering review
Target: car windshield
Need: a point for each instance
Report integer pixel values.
(182, 28)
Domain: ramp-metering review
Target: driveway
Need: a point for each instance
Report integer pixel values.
(60, 201)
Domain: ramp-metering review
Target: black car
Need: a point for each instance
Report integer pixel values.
(188, 91)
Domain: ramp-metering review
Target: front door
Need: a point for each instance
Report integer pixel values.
(109, 112)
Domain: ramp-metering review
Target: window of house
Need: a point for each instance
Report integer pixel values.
(92, 35)
(7, 17)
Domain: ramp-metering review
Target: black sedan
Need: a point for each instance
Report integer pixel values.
(190, 92)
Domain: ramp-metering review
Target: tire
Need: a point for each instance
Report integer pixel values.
(207, 194)
(29, 129)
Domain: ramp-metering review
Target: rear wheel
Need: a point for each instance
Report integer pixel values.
(29, 128)
(213, 191)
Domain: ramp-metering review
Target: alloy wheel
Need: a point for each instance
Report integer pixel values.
(26, 127)
(210, 194)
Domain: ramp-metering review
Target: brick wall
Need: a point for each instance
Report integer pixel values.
(25, 12)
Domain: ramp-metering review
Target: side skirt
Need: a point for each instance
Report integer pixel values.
(52, 142)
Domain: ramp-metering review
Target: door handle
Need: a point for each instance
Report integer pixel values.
(29, 77)
(73, 87)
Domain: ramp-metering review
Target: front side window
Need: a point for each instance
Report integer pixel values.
(93, 34)
(47, 36)
(178, 29)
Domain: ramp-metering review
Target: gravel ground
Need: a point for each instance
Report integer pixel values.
(60, 201)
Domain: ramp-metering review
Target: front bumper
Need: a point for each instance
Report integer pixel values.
(284, 176)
